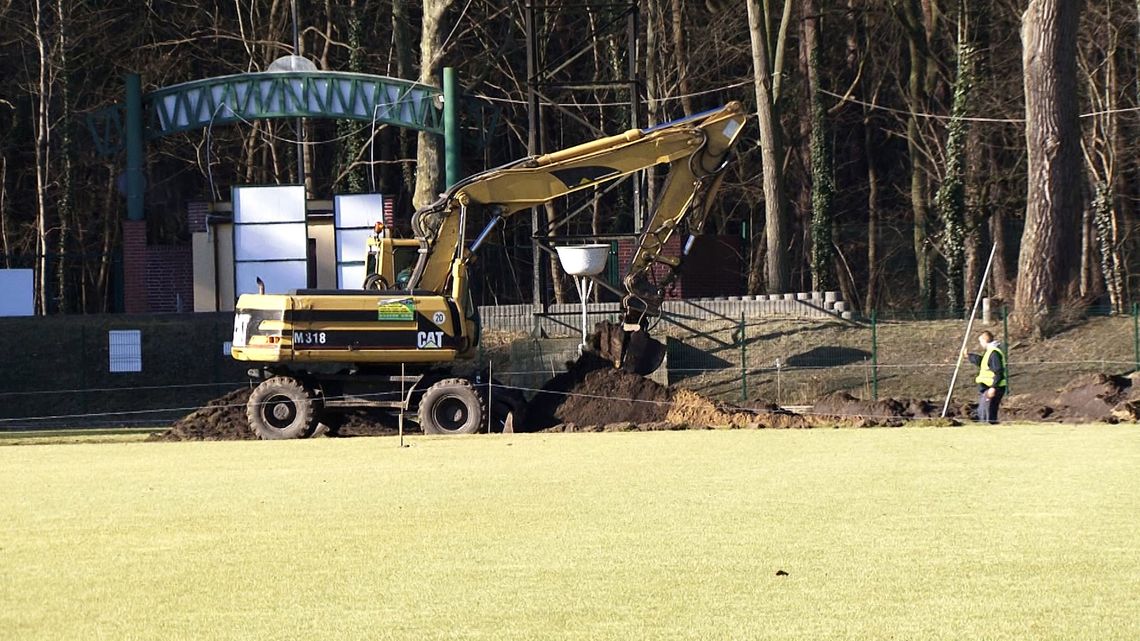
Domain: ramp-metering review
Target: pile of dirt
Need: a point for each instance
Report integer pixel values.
(1094, 397)
(222, 419)
(593, 396)
(888, 412)
(585, 395)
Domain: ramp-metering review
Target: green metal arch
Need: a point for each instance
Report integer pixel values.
(293, 94)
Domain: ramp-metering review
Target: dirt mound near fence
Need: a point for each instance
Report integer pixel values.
(222, 419)
(593, 396)
(848, 409)
(1089, 398)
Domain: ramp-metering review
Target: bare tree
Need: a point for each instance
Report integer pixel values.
(1052, 132)
(766, 80)
(428, 153)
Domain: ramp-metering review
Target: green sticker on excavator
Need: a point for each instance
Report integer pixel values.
(398, 309)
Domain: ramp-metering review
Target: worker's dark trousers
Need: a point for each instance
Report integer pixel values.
(988, 407)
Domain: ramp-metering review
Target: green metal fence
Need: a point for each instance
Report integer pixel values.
(793, 361)
(59, 366)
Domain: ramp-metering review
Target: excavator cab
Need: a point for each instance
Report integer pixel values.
(389, 262)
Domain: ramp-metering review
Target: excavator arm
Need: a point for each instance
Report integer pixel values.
(695, 149)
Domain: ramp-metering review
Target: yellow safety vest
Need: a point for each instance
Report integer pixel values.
(985, 374)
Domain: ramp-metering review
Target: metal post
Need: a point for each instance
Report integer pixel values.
(300, 123)
(1005, 343)
(634, 111)
(403, 404)
(874, 355)
(1136, 334)
(969, 324)
(743, 361)
(451, 162)
(136, 185)
(533, 147)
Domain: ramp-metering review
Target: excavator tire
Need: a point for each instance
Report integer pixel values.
(281, 408)
(452, 406)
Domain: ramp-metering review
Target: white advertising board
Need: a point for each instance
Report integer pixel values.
(354, 218)
(270, 239)
(17, 292)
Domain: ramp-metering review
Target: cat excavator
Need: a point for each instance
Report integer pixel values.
(390, 344)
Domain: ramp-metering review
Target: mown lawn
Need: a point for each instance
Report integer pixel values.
(1016, 532)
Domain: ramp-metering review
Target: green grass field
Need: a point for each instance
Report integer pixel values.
(1026, 532)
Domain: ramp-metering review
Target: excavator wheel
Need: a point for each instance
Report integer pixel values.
(635, 352)
(452, 406)
(280, 408)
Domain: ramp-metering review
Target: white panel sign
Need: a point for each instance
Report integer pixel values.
(270, 239)
(350, 276)
(17, 292)
(279, 277)
(125, 348)
(354, 219)
(288, 241)
(283, 204)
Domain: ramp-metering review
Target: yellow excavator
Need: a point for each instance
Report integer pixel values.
(387, 345)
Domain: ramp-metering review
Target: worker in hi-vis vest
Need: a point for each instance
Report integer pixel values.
(991, 377)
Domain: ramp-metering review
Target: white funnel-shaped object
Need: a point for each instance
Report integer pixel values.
(583, 260)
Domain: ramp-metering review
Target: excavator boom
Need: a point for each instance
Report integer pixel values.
(695, 150)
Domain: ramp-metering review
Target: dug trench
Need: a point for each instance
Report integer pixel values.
(592, 396)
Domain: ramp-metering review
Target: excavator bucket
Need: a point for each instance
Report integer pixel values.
(635, 352)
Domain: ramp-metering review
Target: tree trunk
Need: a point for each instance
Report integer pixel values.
(681, 56)
(402, 51)
(63, 199)
(871, 302)
(4, 244)
(917, 46)
(428, 153)
(1052, 132)
(951, 196)
(822, 186)
(776, 231)
(42, 140)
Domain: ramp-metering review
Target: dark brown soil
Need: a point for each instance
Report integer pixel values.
(889, 411)
(592, 392)
(592, 396)
(1088, 398)
(222, 419)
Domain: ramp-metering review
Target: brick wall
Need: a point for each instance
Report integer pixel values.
(713, 267)
(156, 278)
(134, 266)
(196, 213)
(170, 279)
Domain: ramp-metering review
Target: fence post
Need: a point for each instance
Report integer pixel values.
(1005, 343)
(874, 355)
(1136, 335)
(84, 364)
(743, 362)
